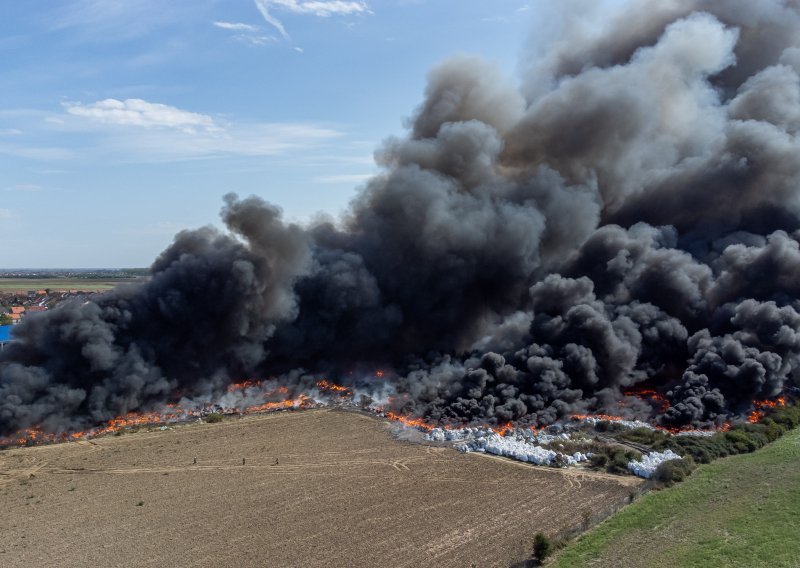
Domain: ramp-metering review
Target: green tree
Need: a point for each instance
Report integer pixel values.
(5, 319)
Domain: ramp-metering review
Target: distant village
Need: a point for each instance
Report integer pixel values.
(16, 306)
(54, 286)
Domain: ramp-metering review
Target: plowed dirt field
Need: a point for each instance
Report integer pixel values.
(316, 488)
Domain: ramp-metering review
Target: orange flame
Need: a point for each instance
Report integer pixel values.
(504, 429)
(172, 412)
(233, 387)
(329, 386)
(760, 408)
(409, 421)
(300, 402)
(651, 396)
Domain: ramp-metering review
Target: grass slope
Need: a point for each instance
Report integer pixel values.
(738, 511)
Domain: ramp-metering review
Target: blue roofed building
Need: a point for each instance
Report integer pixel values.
(5, 334)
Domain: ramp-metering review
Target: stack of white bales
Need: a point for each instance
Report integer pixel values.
(518, 449)
(649, 462)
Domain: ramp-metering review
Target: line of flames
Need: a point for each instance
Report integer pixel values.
(668, 429)
(174, 413)
(760, 408)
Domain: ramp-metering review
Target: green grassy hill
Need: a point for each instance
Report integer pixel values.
(738, 511)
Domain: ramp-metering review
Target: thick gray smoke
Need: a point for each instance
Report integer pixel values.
(627, 218)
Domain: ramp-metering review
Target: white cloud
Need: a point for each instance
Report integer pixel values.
(139, 131)
(138, 112)
(135, 128)
(246, 33)
(262, 6)
(236, 26)
(319, 8)
(256, 40)
(6, 214)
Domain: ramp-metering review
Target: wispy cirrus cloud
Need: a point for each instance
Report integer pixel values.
(236, 26)
(246, 33)
(319, 8)
(136, 130)
(138, 112)
(141, 128)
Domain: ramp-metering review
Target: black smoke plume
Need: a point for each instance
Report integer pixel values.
(628, 217)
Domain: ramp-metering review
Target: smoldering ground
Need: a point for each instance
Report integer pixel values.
(626, 217)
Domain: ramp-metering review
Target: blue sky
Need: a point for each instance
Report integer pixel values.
(122, 122)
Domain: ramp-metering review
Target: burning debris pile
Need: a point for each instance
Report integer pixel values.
(618, 235)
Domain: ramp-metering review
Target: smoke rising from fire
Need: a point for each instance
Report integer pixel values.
(629, 217)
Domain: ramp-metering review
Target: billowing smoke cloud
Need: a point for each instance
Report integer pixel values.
(627, 218)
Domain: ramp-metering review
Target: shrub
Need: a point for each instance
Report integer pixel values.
(787, 416)
(772, 430)
(214, 417)
(740, 439)
(541, 547)
(618, 463)
(603, 426)
(613, 458)
(739, 442)
(642, 436)
(673, 471)
(618, 459)
(599, 460)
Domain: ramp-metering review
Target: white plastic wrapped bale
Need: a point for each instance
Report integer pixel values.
(456, 434)
(699, 433)
(647, 466)
(517, 448)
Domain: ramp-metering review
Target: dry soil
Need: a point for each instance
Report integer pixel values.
(317, 488)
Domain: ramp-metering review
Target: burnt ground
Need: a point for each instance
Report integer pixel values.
(318, 488)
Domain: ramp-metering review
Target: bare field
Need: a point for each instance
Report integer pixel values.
(343, 492)
(59, 284)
